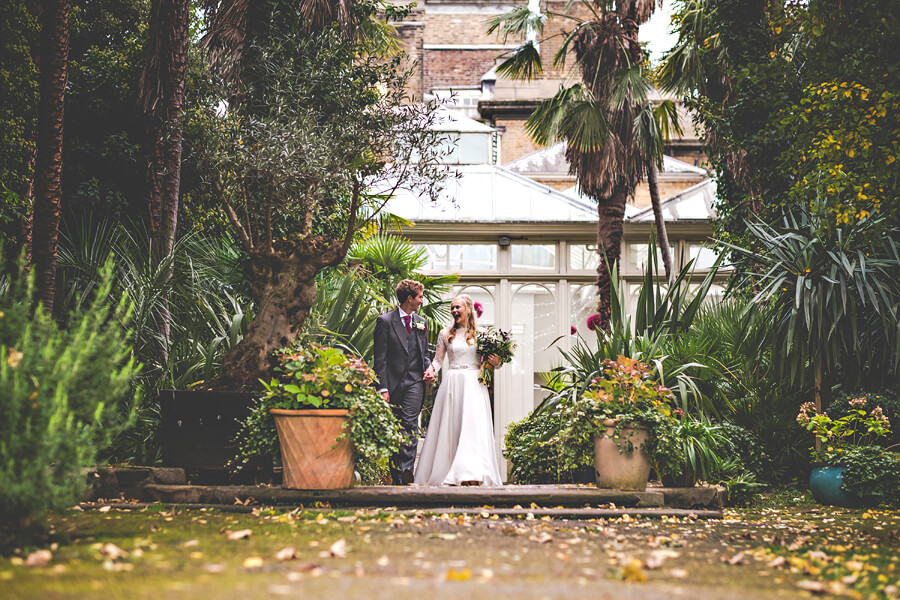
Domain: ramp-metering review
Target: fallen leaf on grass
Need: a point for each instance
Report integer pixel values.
(734, 560)
(634, 571)
(241, 534)
(383, 561)
(104, 509)
(112, 551)
(109, 565)
(461, 575)
(778, 561)
(39, 558)
(286, 554)
(191, 543)
(541, 538)
(678, 573)
(337, 549)
(253, 562)
(443, 536)
(658, 557)
(816, 587)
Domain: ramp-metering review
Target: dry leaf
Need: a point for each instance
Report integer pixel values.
(383, 561)
(253, 562)
(658, 557)
(634, 571)
(286, 554)
(240, 535)
(777, 562)
(39, 558)
(104, 509)
(817, 587)
(112, 551)
(348, 519)
(191, 543)
(818, 555)
(735, 560)
(678, 573)
(338, 549)
(461, 575)
(541, 538)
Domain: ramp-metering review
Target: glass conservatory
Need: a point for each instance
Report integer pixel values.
(527, 253)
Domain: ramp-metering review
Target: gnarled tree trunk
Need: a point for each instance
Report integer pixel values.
(284, 289)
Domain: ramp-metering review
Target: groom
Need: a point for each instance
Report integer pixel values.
(401, 359)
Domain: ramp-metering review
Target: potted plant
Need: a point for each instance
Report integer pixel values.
(620, 411)
(323, 414)
(852, 468)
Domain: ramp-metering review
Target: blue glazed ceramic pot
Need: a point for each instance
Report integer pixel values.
(825, 484)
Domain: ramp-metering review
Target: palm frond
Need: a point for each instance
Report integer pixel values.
(630, 87)
(523, 63)
(518, 22)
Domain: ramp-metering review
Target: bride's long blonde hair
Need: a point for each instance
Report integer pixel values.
(470, 320)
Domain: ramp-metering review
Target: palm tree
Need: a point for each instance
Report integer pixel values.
(162, 100)
(597, 116)
(53, 64)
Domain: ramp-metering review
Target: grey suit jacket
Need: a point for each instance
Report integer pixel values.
(397, 363)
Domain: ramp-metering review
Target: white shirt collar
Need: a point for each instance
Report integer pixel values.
(403, 313)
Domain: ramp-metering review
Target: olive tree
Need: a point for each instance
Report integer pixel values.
(317, 138)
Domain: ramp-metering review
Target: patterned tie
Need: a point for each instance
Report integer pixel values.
(407, 320)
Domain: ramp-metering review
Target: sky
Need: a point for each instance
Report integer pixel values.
(655, 32)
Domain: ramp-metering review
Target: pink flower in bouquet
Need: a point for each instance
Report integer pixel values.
(479, 309)
(593, 322)
(572, 330)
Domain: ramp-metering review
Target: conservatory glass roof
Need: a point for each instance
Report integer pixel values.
(487, 193)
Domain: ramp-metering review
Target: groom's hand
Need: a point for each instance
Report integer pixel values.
(386, 396)
(429, 375)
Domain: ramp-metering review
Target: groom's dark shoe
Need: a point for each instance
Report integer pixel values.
(406, 477)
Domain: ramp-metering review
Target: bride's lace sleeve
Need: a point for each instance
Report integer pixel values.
(441, 350)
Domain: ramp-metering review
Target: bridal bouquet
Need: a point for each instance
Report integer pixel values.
(493, 341)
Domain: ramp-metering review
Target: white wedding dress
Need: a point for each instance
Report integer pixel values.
(459, 443)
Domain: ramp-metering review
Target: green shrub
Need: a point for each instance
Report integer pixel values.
(745, 453)
(64, 394)
(530, 448)
(871, 472)
(890, 406)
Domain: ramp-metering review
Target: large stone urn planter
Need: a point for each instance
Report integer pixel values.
(310, 455)
(621, 470)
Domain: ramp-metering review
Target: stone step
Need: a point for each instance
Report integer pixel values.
(409, 496)
(128, 482)
(577, 514)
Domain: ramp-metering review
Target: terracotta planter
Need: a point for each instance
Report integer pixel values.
(621, 471)
(311, 458)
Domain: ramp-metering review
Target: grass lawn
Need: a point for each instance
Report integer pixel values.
(163, 552)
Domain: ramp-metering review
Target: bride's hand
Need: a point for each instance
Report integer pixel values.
(429, 375)
(494, 360)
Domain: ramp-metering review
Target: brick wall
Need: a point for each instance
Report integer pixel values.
(446, 68)
(514, 141)
(413, 35)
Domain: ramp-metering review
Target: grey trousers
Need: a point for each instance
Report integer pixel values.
(407, 408)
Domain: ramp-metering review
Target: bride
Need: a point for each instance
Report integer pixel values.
(459, 443)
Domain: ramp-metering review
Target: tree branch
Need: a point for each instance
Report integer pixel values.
(232, 217)
(351, 219)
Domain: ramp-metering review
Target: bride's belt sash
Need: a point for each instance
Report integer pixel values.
(464, 368)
